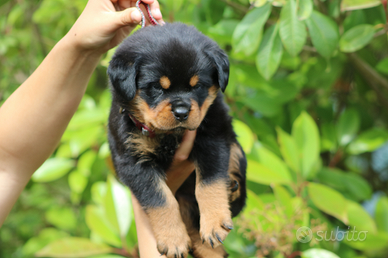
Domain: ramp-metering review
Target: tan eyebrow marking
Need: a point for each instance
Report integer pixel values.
(194, 80)
(165, 82)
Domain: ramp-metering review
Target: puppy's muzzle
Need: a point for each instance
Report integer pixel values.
(180, 109)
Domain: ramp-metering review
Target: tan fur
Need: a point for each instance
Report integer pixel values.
(141, 145)
(234, 168)
(169, 230)
(215, 216)
(200, 250)
(161, 118)
(194, 80)
(165, 82)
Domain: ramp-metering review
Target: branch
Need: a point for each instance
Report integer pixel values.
(367, 71)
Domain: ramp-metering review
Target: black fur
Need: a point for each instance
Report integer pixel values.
(178, 52)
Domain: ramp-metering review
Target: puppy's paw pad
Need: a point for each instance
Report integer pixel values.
(175, 248)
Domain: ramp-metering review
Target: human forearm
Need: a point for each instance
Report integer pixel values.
(31, 128)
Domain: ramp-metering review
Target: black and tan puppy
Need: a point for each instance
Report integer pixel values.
(166, 79)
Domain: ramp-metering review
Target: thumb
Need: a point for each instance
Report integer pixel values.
(130, 16)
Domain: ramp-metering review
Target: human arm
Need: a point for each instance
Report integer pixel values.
(176, 175)
(34, 117)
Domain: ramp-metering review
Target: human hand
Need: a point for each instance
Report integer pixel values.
(105, 23)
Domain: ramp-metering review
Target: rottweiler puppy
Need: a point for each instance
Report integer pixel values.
(165, 80)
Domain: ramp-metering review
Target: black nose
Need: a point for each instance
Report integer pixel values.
(180, 110)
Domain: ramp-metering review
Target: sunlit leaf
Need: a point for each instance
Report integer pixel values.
(328, 200)
(381, 214)
(359, 218)
(73, 247)
(306, 136)
(259, 173)
(244, 135)
(305, 9)
(348, 5)
(318, 253)
(53, 169)
(289, 149)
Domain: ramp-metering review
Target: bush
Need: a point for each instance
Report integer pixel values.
(308, 91)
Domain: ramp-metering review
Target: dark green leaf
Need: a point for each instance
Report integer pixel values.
(248, 33)
(347, 126)
(356, 38)
(292, 30)
(357, 186)
(270, 53)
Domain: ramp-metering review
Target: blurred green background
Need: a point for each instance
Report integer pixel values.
(309, 93)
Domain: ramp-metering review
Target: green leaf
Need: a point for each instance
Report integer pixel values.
(356, 38)
(306, 136)
(62, 218)
(318, 253)
(368, 141)
(244, 135)
(357, 186)
(289, 149)
(292, 30)
(99, 224)
(284, 198)
(120, 197)
(77, 182)
(257, 172)
(348, 5)
(363, 240)
(328, 200)
(305, 9)
(46, 236)
(347, 126)
(73, 247)
(324, 33)
(381, 214)
(53, 169)
(248, 33)
(271, 161)
(359, 218)
(332, 177)
(382, 66)
(270, 53)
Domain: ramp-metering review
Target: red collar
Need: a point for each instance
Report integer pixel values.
(142, 127)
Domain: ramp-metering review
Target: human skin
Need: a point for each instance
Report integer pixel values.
(34, 117)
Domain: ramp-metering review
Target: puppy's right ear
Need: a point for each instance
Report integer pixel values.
(122, 76)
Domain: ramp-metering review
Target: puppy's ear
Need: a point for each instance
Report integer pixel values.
(122, 75)
(221, 62)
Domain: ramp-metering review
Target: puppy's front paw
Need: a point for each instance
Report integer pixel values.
(214, 227)
(174, 246)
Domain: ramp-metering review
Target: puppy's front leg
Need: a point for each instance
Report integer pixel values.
(211, 192)
(149, 187)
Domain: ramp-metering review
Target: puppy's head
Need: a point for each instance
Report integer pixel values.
(168, 76)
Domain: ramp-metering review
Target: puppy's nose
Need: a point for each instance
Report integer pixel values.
(180, 110)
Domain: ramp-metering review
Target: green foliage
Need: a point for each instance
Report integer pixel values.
(308, 93)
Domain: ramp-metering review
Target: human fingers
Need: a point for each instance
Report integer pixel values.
(128, 16)
(184, 150)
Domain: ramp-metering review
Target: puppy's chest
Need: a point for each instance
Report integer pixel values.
(160, 149)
